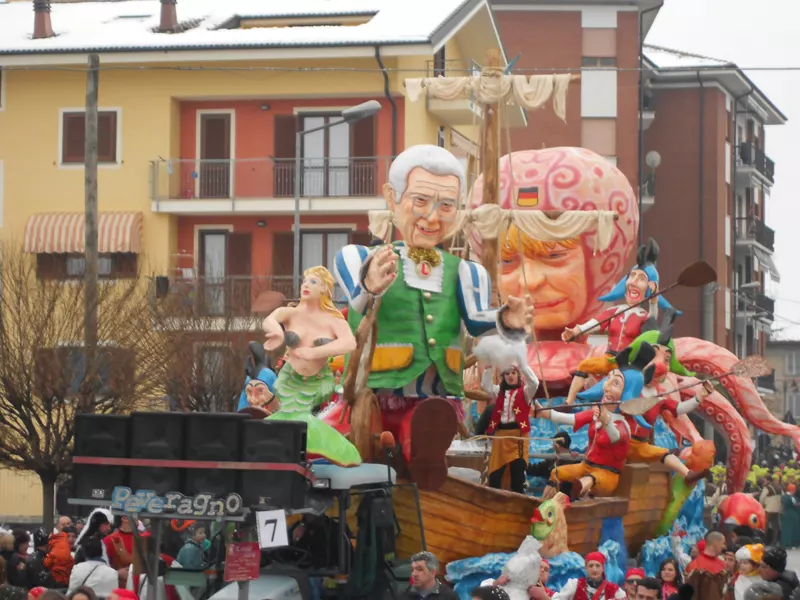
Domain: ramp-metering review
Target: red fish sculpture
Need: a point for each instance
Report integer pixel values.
(743, 509)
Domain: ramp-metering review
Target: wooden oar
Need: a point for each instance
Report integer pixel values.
(752, 366)
(695, 275)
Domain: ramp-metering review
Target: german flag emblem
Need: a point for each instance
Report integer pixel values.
(528, 197)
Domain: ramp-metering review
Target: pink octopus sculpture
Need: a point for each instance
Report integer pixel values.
(564, 280)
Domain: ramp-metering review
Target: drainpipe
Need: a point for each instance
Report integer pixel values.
(641, 120)
(169, 17)
(737, 288)
(42, 27)
(706, 292)
(391, 100)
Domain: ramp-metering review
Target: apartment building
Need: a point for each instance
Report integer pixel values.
(705, 156)
(784, 399)
(665, 115)
(199, 106)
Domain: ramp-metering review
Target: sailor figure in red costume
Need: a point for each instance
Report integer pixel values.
(633, 289)
(609, 433)
(594, 586)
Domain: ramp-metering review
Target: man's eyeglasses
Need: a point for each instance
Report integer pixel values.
(632, 581)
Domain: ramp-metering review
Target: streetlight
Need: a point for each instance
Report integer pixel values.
(349, 115)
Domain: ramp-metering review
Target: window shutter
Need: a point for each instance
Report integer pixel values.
(124, 266)
(120, 377)
(284, 131)
(51, 266)
(362, 138)
(107, 136)
(48, 373)
(282, 254)
(363, 167)
(73, 136)
(362, 238)
(239, 268)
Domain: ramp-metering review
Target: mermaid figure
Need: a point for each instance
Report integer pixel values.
(313, 331)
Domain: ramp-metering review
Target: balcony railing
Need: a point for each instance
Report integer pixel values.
(226, 297)
(765, 304)
(259, 178)
(451, 68)
(766, 382)
(752, 156)
(753, 229)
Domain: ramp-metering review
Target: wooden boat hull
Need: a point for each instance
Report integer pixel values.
(465, 519)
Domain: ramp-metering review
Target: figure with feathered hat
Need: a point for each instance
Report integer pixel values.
(509, 425)
(609, 434)
(621, 322)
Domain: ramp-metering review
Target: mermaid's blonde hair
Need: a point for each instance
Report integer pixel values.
(326, 299)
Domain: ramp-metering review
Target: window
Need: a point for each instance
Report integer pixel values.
(73, 138)
(439, 62)
(727, 235)
(599, 42)
(61, 371)
(441, 138)
(793, 363)
(599, 61)
(599, 93)
(2, 89)
(120, 265)
(793, 403)
(727, 162)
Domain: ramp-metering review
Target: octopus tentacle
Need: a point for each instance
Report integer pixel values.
(704, 357)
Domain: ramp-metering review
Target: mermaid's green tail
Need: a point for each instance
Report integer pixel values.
(680, 492)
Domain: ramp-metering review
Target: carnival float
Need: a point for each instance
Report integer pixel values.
(473, 361)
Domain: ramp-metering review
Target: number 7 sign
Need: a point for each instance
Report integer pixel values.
(272, 531)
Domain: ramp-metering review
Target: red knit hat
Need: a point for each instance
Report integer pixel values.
(635, 573)
(597, 557)
(125, 594)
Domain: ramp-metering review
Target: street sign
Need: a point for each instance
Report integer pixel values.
(272, 532)
(242, 561)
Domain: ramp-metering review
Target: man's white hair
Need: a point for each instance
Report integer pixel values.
(433, 159)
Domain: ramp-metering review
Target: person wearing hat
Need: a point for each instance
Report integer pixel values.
(38, 575)
(594, 586)
(510, 423)
(747, 559)
(632, 579)
(773, 569)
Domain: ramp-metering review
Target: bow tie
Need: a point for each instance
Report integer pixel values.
(425, 255)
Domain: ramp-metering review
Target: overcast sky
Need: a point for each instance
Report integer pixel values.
(754, 34)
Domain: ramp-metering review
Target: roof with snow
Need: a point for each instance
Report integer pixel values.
(678, 67)
(667, 58)
(129, 26)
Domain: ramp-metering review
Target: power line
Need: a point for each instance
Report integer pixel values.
(458, 71)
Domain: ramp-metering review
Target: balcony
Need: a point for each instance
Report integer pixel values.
(765, 304)
(647, 192)
(753, 164)
(238, 300)
(752, 230)
(267, 185)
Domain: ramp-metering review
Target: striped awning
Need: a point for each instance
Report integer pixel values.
(64, 233)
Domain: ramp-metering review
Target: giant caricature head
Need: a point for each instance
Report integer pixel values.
(424, 192)
(565, 278)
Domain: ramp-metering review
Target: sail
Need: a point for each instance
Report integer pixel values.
(492, 86)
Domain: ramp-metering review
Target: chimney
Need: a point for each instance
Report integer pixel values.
(169, 16)
(42, 27)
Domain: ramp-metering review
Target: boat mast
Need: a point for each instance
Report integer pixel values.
(490, 157)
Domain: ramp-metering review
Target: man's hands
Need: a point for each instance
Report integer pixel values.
(705, 390)
(570, 333)
(519, 314)
(601, 414)
(382, 271)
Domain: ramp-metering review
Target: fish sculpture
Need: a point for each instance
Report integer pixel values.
(743, 509)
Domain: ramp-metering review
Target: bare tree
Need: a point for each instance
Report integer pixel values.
(45, 379)
(209, 325)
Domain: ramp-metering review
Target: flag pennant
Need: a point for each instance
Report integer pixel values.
(528, 197)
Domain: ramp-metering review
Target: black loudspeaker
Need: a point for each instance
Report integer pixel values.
(212, 437)
(162, 286)
(104, 436)
(382, 513)
(273, 442)
(157, 436)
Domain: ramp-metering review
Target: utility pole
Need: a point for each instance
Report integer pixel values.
(490, 155)
(91, 242)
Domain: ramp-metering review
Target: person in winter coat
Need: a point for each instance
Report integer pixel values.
(191, 555)
(59, 559)
(17, 566)
(99, 523)
(38, 574)
(773, 569)
(94, 572)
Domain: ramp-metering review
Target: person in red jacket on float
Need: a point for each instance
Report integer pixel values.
(594, 586)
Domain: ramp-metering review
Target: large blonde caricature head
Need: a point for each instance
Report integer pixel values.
(564, 278)
(318, 286)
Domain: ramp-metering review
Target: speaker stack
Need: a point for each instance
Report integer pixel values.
(202, 437)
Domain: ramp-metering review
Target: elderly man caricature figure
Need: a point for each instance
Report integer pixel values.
(426, 295)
